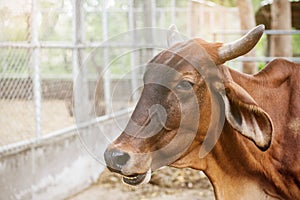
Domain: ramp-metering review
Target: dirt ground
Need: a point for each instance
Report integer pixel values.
(17, 119)
(166, 184)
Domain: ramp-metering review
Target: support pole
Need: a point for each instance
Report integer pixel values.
(80, 82)
(173, 11)
(133, 71)
(153, 19)
(36, 79)
(148, 20)
(35, 59)
(106, 72)
(281, 45)
(247, 21)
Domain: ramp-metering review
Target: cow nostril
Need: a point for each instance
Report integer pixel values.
(120, 158)
(116, 159)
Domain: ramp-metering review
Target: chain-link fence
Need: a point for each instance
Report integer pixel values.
(45, 43)
(29, 72)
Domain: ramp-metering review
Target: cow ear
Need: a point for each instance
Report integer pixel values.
(173, 36)
(246, 117)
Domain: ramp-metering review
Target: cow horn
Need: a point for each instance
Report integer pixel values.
(241, 46)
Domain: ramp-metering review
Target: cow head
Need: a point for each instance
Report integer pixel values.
(187, 96)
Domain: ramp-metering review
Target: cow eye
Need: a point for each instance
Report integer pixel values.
(184, 85)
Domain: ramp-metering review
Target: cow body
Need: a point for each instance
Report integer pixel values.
(236, 168)
(278, 95)
(255, 156)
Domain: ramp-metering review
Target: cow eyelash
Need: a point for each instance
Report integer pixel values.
(184, 85)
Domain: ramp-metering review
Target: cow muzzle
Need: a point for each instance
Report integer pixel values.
(134, 168)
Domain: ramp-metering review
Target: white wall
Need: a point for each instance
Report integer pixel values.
(58, 166)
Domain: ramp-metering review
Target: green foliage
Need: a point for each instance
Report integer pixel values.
(117, 23)
(13, 27)
(14, 61)
(256, 5)
(56, 61)
(93, 27)
(296, 45)
(55, 20)
(180, 3)
(261, 65)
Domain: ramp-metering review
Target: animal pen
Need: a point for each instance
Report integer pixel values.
(70, 75)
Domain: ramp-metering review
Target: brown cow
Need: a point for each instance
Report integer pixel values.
(242, 131)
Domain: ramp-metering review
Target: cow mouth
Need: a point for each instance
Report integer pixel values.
(137, 179)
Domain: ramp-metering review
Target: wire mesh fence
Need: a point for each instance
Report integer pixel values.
(17, 98)
(44, 43)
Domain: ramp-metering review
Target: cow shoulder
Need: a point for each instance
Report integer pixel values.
(276, 72)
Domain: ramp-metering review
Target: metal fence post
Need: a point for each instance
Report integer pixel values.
(133, 71)
(36, 80)
(80, 82)
(35, 59)
(106, 72)
(153, 19)
(173, 11)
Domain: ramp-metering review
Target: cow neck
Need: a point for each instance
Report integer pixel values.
(261, 160)
(231, 159)
(231, 167)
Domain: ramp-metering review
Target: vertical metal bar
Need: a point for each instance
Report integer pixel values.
(202, 16)
(223, 21)
(153, 22)
(190, 21)
(35, 58)
(106, 73)
(36, 79)
(211, 22)
(134, 83)
(173, 11)
(75, 68)
(80, 83)
(190, 25)
(153, 13)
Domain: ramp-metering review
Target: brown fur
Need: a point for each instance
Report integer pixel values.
(236, 167)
